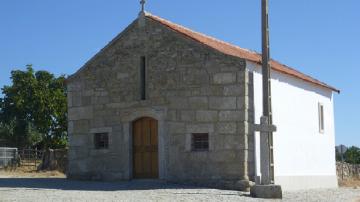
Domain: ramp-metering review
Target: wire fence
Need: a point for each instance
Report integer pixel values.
(30, 158)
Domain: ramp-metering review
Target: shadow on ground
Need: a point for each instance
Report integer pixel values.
(65, 184)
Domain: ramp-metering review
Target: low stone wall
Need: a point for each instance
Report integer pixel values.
(347, 171)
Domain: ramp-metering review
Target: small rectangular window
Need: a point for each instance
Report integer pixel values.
(321, 118)
(143, 78)
(101, 140)
(200, 142)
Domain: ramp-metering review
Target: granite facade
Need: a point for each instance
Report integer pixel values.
(190, 88)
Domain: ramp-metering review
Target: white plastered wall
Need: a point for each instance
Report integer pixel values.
(304, 157)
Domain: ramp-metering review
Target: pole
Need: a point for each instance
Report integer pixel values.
(269, 169)
(342, 162)
(265, 57)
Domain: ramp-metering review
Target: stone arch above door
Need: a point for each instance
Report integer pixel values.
(158, 113)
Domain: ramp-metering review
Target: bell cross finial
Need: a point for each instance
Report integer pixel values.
(142, 2)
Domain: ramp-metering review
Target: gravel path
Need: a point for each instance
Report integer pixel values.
(60, 189)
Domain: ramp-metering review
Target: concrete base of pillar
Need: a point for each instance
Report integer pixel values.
(266, 191)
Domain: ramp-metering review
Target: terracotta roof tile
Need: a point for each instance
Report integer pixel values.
(236, 51)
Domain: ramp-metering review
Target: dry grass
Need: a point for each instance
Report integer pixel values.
(25, 171)
(354, 183)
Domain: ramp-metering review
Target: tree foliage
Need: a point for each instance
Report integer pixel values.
(33, 110)
(338, 155)
(352, 155)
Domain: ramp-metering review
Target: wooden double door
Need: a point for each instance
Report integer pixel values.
(145, 148)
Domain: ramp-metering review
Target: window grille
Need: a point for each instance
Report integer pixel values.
(101, 140)
(200, 142)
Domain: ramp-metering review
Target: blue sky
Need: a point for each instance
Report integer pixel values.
(319, 38)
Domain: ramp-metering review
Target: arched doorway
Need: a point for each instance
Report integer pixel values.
(145, 148)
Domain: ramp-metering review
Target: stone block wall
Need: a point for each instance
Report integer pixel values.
(197, 89)
(347, 171)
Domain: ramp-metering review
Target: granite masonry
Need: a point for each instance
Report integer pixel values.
(347, 171)
(190, 88)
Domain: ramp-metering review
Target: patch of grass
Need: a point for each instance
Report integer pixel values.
(29, 171)
(32, 174)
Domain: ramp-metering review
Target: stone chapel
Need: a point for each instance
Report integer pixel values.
(161, 101)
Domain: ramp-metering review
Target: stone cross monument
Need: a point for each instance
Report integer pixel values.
(266, 187)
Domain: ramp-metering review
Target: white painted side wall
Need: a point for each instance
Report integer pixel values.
(304, 158)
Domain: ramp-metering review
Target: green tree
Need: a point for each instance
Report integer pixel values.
(33, 110)
(352, 155)
(337, 155)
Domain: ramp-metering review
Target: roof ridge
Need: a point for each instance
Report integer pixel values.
(200, 33)
(234, 50)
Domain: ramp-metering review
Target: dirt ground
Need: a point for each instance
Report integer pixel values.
(353, 183)
(53, 186)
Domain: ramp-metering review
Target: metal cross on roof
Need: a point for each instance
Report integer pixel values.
(142, 2)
